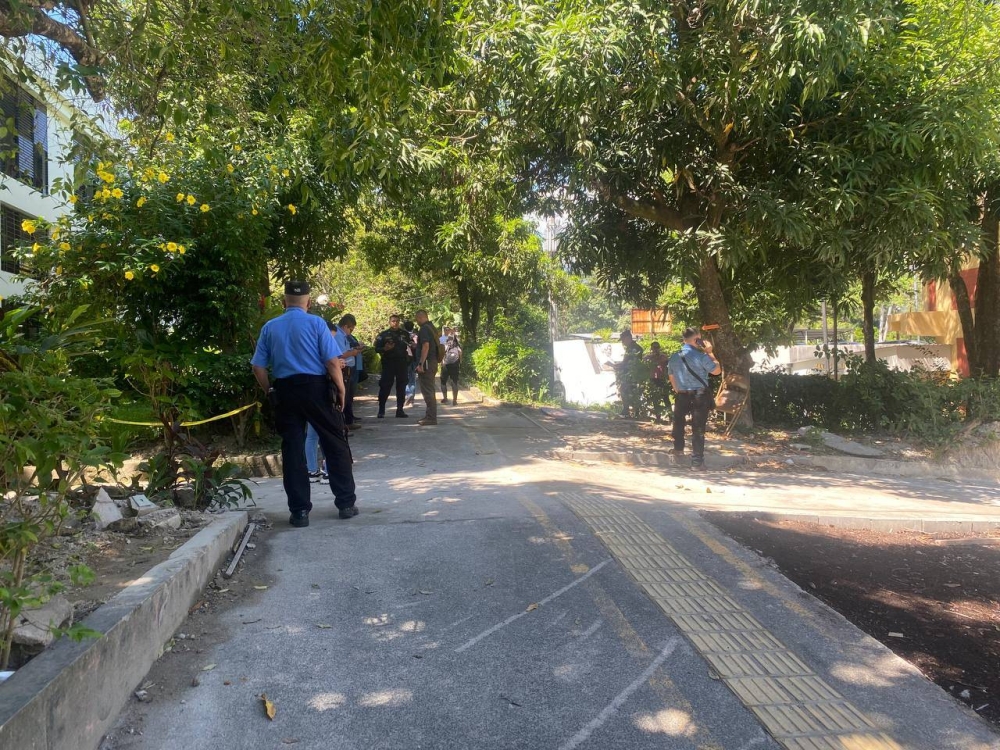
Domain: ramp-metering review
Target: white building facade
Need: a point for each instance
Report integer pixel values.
(37, 135)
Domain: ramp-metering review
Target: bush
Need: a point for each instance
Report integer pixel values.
(510, 370)
(918, 404)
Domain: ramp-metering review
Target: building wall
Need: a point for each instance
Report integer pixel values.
(32, 202)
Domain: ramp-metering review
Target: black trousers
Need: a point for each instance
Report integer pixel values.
(393, 373)
(348, 373)
(697, 404)
(449, 372)
(302, 399)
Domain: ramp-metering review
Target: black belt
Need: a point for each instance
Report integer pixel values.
(700, 390)
(299, 379)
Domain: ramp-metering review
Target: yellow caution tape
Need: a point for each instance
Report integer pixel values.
(186, 424)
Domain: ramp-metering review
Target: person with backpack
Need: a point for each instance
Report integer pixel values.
(451, 363)
(689, 370)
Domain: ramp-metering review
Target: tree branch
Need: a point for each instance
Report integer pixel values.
(30, 17)
(657, 213)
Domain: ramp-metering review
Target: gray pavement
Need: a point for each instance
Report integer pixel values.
(469, 607)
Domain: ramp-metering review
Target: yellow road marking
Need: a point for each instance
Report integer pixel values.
(796, 706)
(661, 684)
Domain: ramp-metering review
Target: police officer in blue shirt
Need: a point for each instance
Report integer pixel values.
(689, 370)
(304, 358)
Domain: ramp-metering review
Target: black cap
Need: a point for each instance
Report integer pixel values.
(296, 288)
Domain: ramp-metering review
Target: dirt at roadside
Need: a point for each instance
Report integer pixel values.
(933, 599)
(116, 558)
(184, 667)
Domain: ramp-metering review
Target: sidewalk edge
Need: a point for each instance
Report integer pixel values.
(69, 696)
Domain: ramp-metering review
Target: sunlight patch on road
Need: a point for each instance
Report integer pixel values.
(669, 721)
(384, 698)
(327, 701)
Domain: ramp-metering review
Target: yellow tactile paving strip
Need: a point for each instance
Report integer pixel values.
(796, 706)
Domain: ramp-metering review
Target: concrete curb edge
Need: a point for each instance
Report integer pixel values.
(868, 523)
(68, 697)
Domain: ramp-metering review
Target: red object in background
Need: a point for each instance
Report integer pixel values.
(262, 302)
(963, 358)
(931, 296)
(971, 278)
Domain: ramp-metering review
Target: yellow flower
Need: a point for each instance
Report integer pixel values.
(180, 197)
(292, 209)
(35, 248)
(108, 177)
(237, 148)
(254, 212)
(141, 202)
(181, 249)
(163, 177)
(64, 246)
(117, 193)
(55, 234)
(205, 208)
(58, 270)
(274, 169)
(154, 268)
(191, 200)
(285, 172)
(29, 226)
(73, 199)
(170, 137)
(230, 168)
(105, 193)
(171, 247)
(129, 275)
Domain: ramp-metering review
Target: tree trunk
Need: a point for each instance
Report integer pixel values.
(961, 294)
(987, 332)
(868, 303)
(836, 340)
(469, 305)
(714, 309)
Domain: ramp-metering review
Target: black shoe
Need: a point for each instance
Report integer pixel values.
(299, 519)
(346, 513)
(380, 415)
(316, 476)
(400, 414)
(698, 467)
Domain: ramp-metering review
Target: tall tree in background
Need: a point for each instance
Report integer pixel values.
(745, 133)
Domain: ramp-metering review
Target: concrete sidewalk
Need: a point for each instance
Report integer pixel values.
(486, 598)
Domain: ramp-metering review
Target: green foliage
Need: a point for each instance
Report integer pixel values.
(920, 405)
(48, 440)
(509, 370)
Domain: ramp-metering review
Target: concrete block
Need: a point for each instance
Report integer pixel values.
(142, 505)
(105, 510)
(33, 630)
(167, 518)
(70, 696)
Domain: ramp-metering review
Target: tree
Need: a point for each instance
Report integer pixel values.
(721, 126)
(459, 224)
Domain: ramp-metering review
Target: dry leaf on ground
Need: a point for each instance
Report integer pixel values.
(531, 608)
(269, 708)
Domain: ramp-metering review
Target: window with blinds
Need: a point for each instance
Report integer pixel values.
(25, 141)
(11, 236)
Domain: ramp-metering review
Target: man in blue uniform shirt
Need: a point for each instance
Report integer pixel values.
(688, 370)
(304, 358)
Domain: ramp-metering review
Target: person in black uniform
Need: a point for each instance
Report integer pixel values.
(304, 358)
(393, 347)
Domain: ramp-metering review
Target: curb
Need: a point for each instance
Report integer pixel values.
(843, 464)
(889, 468)
(655, 459)
(867, 523)
(70, 695)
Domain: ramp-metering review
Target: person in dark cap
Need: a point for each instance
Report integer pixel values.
(304, 358)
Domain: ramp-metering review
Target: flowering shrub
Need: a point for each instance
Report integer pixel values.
(174, 243)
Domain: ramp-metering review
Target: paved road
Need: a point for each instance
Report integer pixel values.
(487, 598)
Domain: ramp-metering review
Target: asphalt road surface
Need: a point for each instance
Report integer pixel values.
(481, 600)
